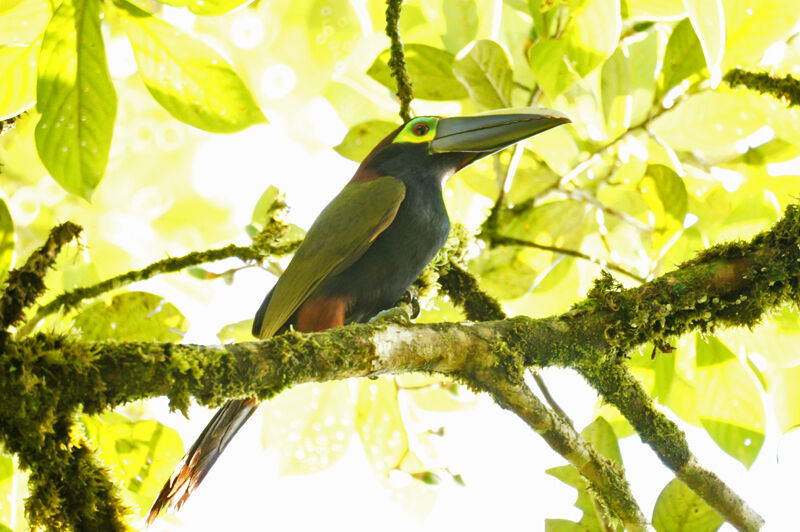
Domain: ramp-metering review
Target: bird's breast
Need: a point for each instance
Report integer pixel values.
(396, 258)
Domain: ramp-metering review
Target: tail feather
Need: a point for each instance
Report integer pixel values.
(203, 454)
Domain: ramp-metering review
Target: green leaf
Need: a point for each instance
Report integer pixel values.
(713, 121)
(656, 9)
(666, 197)
(503, 273)
(752, 27)
(35, 13)
(664, 369)
(556, 223)
(535, 10)
(712, 351)
(9, 5)
(310, 426)
(13, 492)
(601, 435)
(644, 55)
(207, 7)
(557, 149)
(622, 428)
(728, 401)
(461, 23)
(76, 98)
(616, 93)
(434, 393)
(350, 104)
(679, 509)
(739, 442)
(484, 68)
(380, 425)
(532, 178)
(551, 67)
(265, 205)
(590, 522)
(187, 77)
(6, 239)
(332, 29)
(18, 84)
(139, 454)
(785, 392)
(430, 70)
(683, 58)
(236, 332)
(4, 528)
(776, 339)
(6, 467)
(135, 316)
(362, 137)
(592, 34)
(708, 21)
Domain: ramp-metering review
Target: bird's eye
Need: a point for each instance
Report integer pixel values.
(420, 129)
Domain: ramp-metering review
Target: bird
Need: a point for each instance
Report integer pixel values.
(365, 249)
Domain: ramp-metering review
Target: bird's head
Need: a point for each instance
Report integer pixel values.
(433, 148)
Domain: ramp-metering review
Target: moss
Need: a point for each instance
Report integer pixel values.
(69, 490)
(462, 287)
(24, 285)
(786, 88)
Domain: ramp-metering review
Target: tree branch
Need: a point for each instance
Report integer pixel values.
(46, 378)
(786, 89)
(26, 284)
(606, 477)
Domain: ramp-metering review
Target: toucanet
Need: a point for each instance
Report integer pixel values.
(365, 248)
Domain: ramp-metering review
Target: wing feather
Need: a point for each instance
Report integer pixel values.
(340, 235)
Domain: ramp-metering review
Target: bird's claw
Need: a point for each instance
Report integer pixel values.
(393, 315)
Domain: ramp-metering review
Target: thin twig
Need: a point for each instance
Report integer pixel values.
(580, 194)
(506, 240)
(549, 398)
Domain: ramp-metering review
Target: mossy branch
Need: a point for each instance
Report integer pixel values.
(24, 285)
(554, 426)
(786, 89)
(397, 61)
(462, 287)
(46, 378)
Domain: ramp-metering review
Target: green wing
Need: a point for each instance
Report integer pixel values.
(339, 236)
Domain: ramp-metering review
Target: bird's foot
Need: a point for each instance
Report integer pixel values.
(393, 315)
(411, 301)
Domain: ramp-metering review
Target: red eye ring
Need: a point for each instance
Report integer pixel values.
(421, 129)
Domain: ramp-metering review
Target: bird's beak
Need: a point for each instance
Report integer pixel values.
(486, 133)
